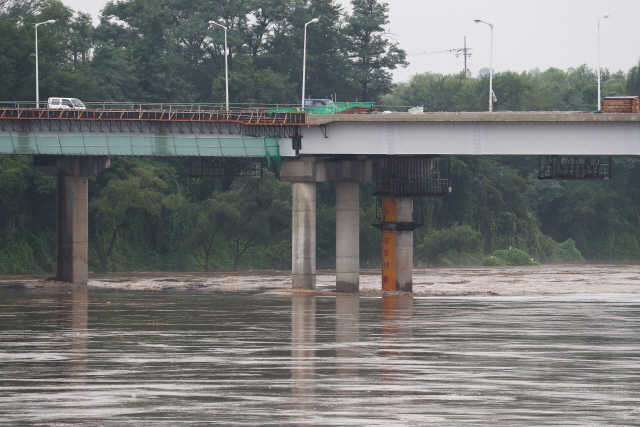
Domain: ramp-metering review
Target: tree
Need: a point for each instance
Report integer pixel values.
(80, 38)
(264, 208)
(143, 190)
(461, 238)
(633, 80)
(371, 54)
(213, 216)
(249, 84)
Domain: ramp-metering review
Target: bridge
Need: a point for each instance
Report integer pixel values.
(401, 150)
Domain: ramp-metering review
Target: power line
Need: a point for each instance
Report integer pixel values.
(465, 51)
(429, 53)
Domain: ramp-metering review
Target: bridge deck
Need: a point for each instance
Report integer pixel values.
(486, 117)
(144, 132)
(472, 134)
(263, 133)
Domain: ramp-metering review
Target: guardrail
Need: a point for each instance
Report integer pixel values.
(250, 117)
(168, 106)
(174, 106)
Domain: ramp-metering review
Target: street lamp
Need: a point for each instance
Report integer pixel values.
(50, 21)
(226, 67)
(304, 57)
(606, 15)
(491, 95)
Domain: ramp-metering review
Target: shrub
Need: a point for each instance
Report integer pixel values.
(505, 257)
(567, 252)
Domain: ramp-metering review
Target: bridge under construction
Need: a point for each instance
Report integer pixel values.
(403, 152)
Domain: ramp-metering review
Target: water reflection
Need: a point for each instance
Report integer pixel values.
(71, 314)
(169, 358)
(397, 313)
(79, 323)
(347, 334)
(303, 344)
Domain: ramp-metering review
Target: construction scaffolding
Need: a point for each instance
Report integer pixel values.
(410, 177)
(560, 167)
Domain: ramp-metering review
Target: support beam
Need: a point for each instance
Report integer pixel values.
(304, 235)
(348, 236)
(72, 206)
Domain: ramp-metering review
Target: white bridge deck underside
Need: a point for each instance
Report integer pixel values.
(471, 139)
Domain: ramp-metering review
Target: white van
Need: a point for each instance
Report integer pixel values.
(66, 104)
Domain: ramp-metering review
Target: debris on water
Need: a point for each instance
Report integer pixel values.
(444, 281)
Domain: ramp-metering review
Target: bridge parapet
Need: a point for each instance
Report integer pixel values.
(485, 117)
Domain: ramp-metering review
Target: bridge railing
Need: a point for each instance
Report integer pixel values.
(164, 106)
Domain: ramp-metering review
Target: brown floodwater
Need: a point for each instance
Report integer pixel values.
(546, 345)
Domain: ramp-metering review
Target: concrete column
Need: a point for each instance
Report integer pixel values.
(303, 174)
(72, 210)
(304, 235)
(347, 236)
(72, 228)
(404, 247)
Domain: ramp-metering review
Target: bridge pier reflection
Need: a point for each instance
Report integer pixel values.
(397, 331)
(303, 353)
(347, 334)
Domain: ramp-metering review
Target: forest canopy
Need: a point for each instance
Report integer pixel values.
(147, 214)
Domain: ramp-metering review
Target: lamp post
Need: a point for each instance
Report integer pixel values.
(606, 15)
(50, 21)
(477, 21)
(304, 57)
(226, 67)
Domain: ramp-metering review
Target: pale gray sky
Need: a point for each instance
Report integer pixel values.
(527, 33)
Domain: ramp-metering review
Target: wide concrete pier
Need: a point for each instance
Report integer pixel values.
(72, 206)
(304, 173)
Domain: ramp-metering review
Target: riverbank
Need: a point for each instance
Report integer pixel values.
(442, 281)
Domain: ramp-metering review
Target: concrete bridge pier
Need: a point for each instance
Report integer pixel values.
(404, 247)
(303, 266)
(347, 236)
(304, 173)
(397, 245)
(72, 210)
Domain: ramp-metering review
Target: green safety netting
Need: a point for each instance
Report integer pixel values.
(106, 144)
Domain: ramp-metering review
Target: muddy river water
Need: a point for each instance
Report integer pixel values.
(482, 346)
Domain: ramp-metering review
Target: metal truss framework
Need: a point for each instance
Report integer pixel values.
(408, 177)
(417, 220)
(573, 167)
(411, 177)
(226, 167)
(252, 122)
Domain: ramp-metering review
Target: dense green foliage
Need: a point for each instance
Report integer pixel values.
(145, 214)
(505, 257)
(165, 51)
(550, 90)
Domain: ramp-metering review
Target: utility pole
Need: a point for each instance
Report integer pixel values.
(464, 52)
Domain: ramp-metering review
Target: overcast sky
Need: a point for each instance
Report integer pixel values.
(527, 33)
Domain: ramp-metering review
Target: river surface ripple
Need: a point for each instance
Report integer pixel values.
(113, 357)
